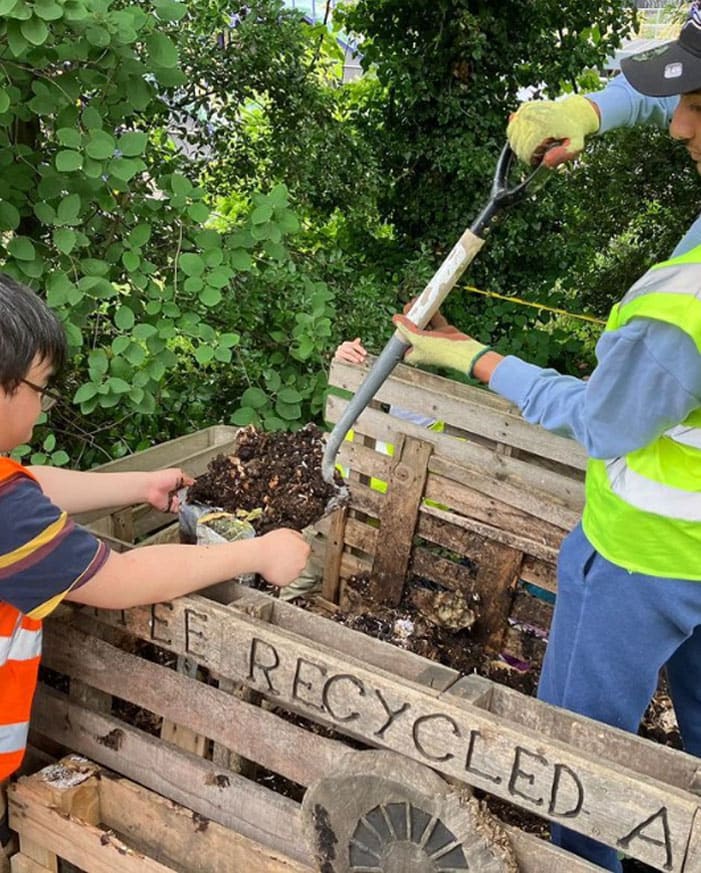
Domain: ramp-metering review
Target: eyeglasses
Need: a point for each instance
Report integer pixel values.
(49, 398)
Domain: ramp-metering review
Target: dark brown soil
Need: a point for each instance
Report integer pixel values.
(276, 473)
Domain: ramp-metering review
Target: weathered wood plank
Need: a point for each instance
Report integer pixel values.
(220, 795)
(649, 819)
(472, 410)
(497, 576)
(172, 835)
(334, 551)
(254, 733)
(398, 519)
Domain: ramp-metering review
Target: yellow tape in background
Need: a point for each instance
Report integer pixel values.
(540, 306)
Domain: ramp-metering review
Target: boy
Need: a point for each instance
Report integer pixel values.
(45, 557)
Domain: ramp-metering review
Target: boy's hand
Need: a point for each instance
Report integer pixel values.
(440, 348)
(351, 352)
(162, 488)
(284, 554)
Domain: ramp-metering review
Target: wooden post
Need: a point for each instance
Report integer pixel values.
(398, 517)
(496, 581)
(70, 787)
(334, 553)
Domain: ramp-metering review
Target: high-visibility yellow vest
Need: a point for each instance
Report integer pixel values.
(643, 510)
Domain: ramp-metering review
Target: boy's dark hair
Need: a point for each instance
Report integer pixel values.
(28, 329)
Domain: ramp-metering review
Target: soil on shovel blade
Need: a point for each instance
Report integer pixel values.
(276, 473)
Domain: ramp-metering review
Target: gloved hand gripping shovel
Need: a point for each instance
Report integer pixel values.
(431, 298)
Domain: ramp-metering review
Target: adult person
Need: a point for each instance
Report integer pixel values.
(45, 558)
(629, 575)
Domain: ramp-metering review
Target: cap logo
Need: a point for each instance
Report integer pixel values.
(650, 53)
(673, 71)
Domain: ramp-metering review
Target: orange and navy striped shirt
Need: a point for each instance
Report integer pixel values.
(43, 555)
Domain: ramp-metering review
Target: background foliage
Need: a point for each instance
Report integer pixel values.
(211, 210)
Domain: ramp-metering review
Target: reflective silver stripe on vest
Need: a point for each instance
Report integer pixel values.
(643, 493)
(679, 279)
(23, 645)
(688, 436)
(13, 737)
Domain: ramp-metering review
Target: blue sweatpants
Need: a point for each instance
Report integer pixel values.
(612, 632)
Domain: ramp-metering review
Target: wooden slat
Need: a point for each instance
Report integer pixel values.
(398, 519)
(463, 407)
(334, 551)
(170, 834)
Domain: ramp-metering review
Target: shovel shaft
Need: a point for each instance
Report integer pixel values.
(430, 299)
(424, 308)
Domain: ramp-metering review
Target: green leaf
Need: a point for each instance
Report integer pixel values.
(288, 411)
(204, 354)
(223, 355)
(59, 459)
(278, 196)
(64, 239)
(125, 169)
(135, 354)
(132, 143)
(67, 161)
(272, 380)
(35, 31)
(244, 416)
(70, 137)
(22, 248)
(254, 397)
(229, 340)
(193, 284)
(131, 261)
(4, 101)
(7, 6)
(140, 235)
(144, 331)
(191, 264)
(289, 395)
(198, 212)
(48, 10)
(180, 184)
(124, 318)
(219, 278)
(162, 50)
(98, 36)
(210, 296)
(68, 209)
(118, 386)
(167, 10)
(97, 361)
(262, 214)
(49, 443)
(120, 344)
(240, 260)
(9, 216)
(101, 145)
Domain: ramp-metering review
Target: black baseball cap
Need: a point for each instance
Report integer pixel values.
(672, 68)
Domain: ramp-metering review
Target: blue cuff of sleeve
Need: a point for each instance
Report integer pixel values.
(614, 108)
(514, 378)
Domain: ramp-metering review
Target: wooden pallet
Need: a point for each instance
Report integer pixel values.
(480, 508)
(251, 683)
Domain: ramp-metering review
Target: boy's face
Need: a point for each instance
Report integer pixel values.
(20, 409)
(686, 125)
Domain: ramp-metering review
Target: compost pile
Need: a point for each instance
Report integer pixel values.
(276, 477)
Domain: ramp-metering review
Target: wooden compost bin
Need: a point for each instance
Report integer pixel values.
(240, 683)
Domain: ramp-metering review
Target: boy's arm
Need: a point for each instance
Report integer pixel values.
(75, 491)
(156, 573)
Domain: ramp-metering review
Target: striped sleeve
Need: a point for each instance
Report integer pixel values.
(43, 554)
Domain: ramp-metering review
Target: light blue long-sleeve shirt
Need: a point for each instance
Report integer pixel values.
(648, 373)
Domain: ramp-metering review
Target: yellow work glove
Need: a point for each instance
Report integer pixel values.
(537, 124)
(446, 348)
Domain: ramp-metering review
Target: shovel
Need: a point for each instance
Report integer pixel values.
(427, 304)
